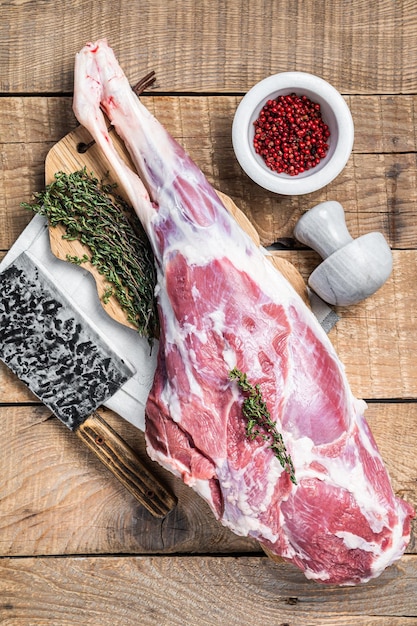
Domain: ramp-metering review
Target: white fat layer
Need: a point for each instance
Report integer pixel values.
(355, 482)
(243, 512)
(195, 292)
(168, 462)
(217, 320)
(355, 542)
(202, 487)
(398, 545)
(321, 576)
(341, 476)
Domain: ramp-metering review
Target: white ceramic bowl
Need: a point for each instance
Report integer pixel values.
(335, 113)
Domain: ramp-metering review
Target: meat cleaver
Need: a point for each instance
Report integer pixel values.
(47, 343)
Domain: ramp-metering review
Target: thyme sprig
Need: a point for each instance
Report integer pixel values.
(116, 244)
(259, 423)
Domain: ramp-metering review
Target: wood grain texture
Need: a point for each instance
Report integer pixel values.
(125, 465)
(359, 46)
(378, 187)
(76, 548)
(385, 324)
(46, 119)
(155, 591)
(56, 498)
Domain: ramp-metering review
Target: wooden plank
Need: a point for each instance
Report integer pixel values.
(382, 123)
(373, 338)
(385, 326)
(32, 119)
(57, 499)
(358, 46)
(377, 190)
(178, 591)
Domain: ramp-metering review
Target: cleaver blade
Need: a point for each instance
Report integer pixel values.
(47, 343)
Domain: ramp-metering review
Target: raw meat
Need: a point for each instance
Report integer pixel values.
(222, 305)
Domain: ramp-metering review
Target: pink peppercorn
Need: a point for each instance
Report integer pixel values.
(290, 134)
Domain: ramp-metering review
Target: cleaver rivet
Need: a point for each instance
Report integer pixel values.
(99, 440)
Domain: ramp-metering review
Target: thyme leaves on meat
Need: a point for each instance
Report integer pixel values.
(116, 244)
(259, 423)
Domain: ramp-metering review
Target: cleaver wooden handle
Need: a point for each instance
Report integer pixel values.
(123, 462)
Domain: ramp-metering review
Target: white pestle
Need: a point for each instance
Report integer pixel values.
(352, 269)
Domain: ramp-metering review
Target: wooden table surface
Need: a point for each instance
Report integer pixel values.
(75, 547)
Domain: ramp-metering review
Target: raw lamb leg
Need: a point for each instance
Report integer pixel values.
(223, 305)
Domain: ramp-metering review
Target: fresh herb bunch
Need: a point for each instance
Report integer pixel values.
(259, 423)
(92, 213)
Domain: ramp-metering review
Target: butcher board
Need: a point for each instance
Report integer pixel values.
(70, 154)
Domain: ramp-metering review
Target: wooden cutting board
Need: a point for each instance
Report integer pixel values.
(70, 155)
